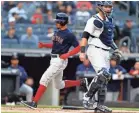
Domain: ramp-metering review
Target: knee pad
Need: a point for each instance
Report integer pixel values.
(93, 89)
(95, 85)
(99, 81)
(105, 73)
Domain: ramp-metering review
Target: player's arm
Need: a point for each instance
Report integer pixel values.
(71, 53)
(83, 44)
(75, 44)
(74, 51)
(87, 31)
(45, 45)
(84, 40)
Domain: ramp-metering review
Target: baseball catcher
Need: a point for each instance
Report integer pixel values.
(98, 32)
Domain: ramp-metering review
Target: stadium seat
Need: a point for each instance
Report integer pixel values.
(43, 37)
(5, 46)
(45, 41)
(28, 44)
(15, 46)
(10, 41)
(11, 46)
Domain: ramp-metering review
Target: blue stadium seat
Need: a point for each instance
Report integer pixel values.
(2, 34)
(20, 29)
(5, 46)
(43, 37)
(9, 41)
(45, 41)
(15, 46)
(20, 33)
(11, 46)
(28, 44)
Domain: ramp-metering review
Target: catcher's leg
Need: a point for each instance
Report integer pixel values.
(97, 83)
(100, 62)
(102, 94)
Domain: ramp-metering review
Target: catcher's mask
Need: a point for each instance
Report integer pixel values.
(100, 5)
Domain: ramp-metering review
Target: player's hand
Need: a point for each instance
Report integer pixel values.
(82, 56)
(40, 45)
(64, 56)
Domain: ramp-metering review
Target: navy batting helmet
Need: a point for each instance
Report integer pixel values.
(61, 18)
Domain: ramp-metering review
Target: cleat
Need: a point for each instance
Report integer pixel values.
(32, 105)
(103, 109)
(84, 85)
(89, 103)
(86, 101)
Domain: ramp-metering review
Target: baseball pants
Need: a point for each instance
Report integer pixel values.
(55, 71)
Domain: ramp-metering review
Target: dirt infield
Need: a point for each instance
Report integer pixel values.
(53, 110)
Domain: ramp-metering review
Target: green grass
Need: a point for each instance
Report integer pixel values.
(40, 106)
(129, 109)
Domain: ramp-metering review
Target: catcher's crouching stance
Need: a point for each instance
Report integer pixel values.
(99, 34)
(63, 39)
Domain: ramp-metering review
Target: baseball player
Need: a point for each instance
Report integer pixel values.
(63, 39)
(98, 33)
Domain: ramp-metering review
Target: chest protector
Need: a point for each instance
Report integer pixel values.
(108, 32)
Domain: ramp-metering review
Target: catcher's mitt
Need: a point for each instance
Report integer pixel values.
(117, 55)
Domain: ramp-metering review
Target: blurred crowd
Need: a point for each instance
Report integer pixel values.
(21, 21)
(43, 12)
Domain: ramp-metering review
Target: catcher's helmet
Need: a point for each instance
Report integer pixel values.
(105, 3)
(61, 18)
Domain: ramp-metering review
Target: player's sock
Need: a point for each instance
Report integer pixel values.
(39, 93)
(72, 83)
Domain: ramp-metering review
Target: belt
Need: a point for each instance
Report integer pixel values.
(54, 55)
(102, 48)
